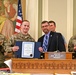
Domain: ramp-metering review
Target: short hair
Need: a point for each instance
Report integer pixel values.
(44, 22)
(25, 21)
(52, 22)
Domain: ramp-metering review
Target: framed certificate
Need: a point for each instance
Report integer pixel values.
(27, 49)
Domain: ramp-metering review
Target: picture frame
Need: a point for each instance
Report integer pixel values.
(27, 49)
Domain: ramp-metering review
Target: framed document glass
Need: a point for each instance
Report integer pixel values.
(27, 50)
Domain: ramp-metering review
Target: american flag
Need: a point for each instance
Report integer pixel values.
(19, 17)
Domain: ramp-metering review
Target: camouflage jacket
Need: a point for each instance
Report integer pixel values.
(71, 43)
(18, 37)
(2, 48)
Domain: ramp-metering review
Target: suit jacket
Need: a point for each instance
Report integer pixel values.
(56, 42)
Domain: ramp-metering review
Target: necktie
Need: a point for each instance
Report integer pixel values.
(45, 43)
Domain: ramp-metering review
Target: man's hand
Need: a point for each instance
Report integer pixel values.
(40, 49)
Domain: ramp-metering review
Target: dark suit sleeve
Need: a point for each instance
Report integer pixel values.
(41, 40)
(61, 45)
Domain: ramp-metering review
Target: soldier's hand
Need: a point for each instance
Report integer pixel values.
(5, 53)
(75, 48)
(15, 48)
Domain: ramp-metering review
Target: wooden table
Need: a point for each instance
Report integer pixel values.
(43, 65)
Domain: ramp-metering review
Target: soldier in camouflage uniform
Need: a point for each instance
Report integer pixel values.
(72, 44)
(22, 36)
(2, 50)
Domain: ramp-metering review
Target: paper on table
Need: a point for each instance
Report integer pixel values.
(9, 64)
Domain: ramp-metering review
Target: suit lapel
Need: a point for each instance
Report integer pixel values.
(50, 39)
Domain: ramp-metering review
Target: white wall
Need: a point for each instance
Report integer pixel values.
(61, 11)
(58, 12)
(32, 16)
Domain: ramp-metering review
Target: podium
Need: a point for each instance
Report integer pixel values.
(47, 65)
(58, 55)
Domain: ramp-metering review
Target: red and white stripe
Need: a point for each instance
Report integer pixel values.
(18, 24)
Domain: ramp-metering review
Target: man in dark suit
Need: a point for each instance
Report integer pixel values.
(53, 29)
(55, 41)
